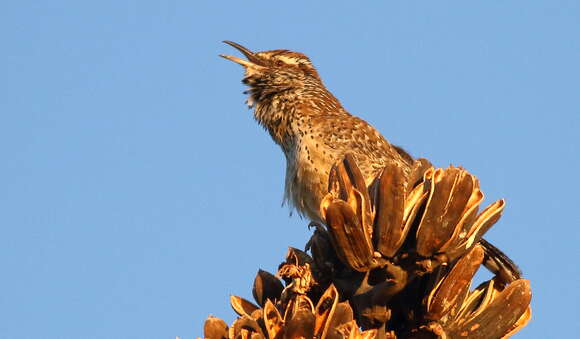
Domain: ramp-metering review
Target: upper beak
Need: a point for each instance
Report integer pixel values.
(253, 60)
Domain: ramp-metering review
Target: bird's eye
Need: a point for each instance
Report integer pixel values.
(279, 63)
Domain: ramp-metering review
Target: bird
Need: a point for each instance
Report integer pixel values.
(315, 131)
(310, 125)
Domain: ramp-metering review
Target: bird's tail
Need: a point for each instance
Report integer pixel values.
(499, 263)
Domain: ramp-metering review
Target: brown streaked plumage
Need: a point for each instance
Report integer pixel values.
(310, 125)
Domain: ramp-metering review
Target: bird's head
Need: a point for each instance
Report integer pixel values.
(272, 72)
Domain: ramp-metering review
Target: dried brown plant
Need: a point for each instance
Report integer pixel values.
(394, 260)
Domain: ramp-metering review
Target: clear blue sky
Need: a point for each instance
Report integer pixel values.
(137, 193)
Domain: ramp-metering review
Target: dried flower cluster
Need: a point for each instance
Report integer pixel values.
(394, 260)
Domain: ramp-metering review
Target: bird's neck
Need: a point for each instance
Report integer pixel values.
(282, 112)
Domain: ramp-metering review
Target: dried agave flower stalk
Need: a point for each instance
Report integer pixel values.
(394, 260)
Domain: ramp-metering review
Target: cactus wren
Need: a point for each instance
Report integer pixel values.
(310, 125)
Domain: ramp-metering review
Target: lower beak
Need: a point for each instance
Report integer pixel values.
(237, 60)
(253, 61)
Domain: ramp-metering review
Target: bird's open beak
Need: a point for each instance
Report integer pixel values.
(252, 62)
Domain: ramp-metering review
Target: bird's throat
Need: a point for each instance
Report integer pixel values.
(275, 114)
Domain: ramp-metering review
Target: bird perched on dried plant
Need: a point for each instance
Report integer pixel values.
(313, 129)
(399, 252)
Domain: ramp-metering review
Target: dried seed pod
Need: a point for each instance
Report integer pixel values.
(242, 306)
(450, 191)
(299, 303)
(350, 239)
(272, 320)
(468, 238)
(299, 318)
(389, 228)
(500, 313)
(355, 175)
(364, 205)
(413, 203)
(452, 288)
(324, 311)
(339, 183)
(266, 286)
(347, 184)
(215, 328)
(297, 257)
